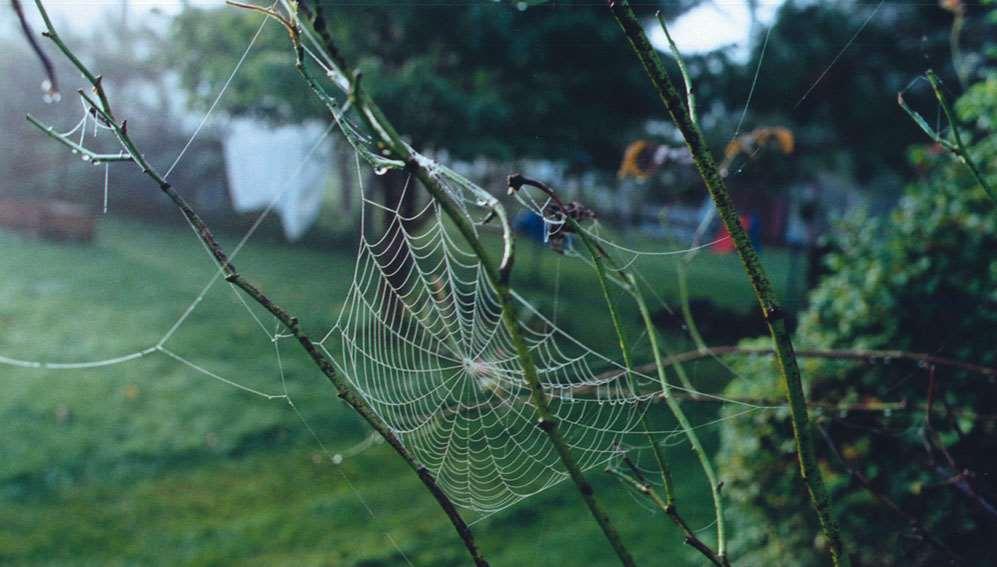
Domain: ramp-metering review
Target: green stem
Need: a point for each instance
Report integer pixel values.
(679, 370)
(958, 149)
(600, 270)
(961, 152)
(676, 408)
(94, 157)
(690, 96)
(771, 311)
(497, 276)
(690, 321)
(93, 79)
(682, 275)
(631, 287)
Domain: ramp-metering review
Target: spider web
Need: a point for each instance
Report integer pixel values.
(421, 339)
(423, 342)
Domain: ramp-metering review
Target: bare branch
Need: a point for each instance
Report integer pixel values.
(867, 356)
(52, 88)
(290, 322)
(92, 156)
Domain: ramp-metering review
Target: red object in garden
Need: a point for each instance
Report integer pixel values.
(724, 243)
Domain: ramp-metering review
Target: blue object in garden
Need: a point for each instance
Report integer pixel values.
(530, 225)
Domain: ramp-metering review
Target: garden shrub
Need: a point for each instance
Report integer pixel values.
(924, 279)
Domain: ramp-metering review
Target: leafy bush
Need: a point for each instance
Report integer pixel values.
(922, 280)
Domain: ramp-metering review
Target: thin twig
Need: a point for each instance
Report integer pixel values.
(29, 34)
(885, 500)
(682, 274)
(629, 284)
(954, 475)
(92, 156)
(868, 356)
(770, 308)
(957, 149)
(690, 95)
(290, 322)
(639, 483)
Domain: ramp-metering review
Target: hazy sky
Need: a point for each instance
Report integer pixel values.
(84, 13)
(714, 24)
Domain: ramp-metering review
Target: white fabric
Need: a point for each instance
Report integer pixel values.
(264, 162)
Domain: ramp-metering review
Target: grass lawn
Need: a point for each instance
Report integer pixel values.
(152, 463)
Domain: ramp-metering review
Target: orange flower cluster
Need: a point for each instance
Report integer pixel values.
(758, 138)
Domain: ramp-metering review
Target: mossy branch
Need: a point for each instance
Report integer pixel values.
(771, 310)
(232, 275)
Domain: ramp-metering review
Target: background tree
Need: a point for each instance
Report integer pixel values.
(475, 79)
(830, 95)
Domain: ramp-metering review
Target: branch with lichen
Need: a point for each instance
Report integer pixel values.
(760, 283)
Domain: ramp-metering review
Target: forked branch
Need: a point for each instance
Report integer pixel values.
(601, 260)
(957, 148)
(639, 482)
(102, 108)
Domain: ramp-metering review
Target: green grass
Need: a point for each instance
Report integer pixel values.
(151, 463)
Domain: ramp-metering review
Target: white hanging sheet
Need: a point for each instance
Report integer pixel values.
(263, 163)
